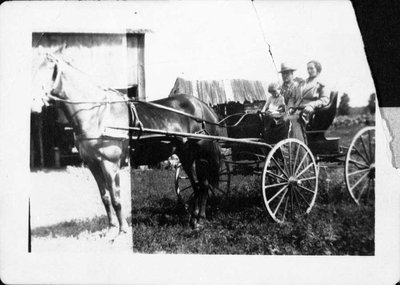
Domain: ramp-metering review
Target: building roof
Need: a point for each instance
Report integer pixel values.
(215, 92)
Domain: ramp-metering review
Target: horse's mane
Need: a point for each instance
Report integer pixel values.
(55, 72)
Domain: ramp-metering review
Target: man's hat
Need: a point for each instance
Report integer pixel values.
(286, 67)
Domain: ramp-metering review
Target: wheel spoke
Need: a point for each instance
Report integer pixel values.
(277, 194)
(285, 161)
(358, 163)
(301, 195)
(290, 158)
(358, 171)
(275, 185)
(295, 159)
(304, 170)
(370, 146)
(304, 188)
(280, 168)
(365, 149)
(291, 202)
(275, 176)
(185, 188)
(297, 199)
(280, 202)
(301, 162)
(358, 182)
(370, 184)
(284, 211)
(366, 186)
(360, 154)
(307, 178)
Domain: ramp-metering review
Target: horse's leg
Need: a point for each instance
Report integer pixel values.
(187, 158)
(111, 174)
(188, 168)
(97, 172)
(203, 186)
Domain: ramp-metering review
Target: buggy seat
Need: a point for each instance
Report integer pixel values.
(316, 128)
(323, 117)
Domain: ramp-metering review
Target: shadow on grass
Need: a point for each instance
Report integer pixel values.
(73, 228)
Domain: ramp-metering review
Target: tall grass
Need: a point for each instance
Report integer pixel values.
(239, 223)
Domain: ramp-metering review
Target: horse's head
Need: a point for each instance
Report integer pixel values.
(44, 81)
(54, 71)
(69, 83)
(56, 79)
(55, 75)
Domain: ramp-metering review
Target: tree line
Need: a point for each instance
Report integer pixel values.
(344, 108)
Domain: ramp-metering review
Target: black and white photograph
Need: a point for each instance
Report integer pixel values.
(210, 138)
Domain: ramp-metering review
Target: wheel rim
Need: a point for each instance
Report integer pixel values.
(224, 181)
(183, 187)
(360, 166)
(289, 180)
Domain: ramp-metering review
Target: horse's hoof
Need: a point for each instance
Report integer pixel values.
(112, 224)
(197, 225)
(123, 229)
(193, 222)
(113, 228)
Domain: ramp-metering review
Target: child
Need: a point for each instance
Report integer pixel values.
(276, 103)
(273, 110)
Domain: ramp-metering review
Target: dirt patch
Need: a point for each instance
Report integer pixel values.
(62, 201)
(62, 195)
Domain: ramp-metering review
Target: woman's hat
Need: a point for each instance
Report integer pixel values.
(286, 67)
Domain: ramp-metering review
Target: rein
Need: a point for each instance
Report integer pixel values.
(157, 106)
(132, 103)
(103, 102)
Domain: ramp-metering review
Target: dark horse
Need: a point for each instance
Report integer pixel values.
(90, 109)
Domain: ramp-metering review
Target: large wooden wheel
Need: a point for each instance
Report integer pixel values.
(359, 167)
(183, 187)
(289, 180)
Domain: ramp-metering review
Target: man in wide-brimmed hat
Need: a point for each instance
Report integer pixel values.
(288, 81)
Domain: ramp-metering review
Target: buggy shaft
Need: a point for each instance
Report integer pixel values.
(247, 141)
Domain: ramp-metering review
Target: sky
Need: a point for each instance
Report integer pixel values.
(229, 40)
(220, 40)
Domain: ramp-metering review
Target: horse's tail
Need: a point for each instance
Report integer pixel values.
(214, 163)
(214, 150)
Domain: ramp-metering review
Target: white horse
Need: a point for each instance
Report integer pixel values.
(102, 154)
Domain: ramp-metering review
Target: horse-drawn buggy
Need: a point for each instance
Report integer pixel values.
(185, 126)
(290, 168)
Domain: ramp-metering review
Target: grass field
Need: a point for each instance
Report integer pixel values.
(239, 223)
